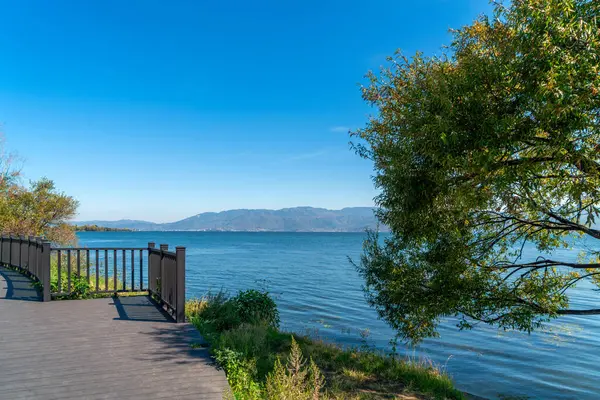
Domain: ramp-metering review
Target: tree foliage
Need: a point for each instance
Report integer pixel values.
(35, 210)
(478, 153)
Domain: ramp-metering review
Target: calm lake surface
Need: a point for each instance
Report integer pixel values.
(319, 291)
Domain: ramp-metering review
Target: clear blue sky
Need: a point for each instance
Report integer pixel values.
(159, 110)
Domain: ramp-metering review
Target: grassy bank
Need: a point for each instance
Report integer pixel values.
(263, 362)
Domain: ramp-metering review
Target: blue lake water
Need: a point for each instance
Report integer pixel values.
(319, 291)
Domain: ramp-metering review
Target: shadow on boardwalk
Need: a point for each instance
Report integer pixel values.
(15, 286)
(139, 308)
(123, 347)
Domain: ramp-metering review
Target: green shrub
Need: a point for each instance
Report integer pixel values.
(80, 288)
(241, 374)
(250, 340)
(255, 306)
(220, 312)
(223, 313)
(247, 343)
(253, 342)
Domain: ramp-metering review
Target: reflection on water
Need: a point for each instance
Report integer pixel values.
(318, 291)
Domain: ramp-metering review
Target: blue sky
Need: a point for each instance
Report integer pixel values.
(159, 110)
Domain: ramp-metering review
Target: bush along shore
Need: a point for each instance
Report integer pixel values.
(263, 362)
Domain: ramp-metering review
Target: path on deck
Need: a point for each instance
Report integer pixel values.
(123, 348)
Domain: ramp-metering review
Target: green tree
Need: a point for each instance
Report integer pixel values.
(481, 151)
(38, 210)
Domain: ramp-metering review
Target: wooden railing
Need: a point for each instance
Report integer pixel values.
(31, 256)
(166, 278)
(67, 272)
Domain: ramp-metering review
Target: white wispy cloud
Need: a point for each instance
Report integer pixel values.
(306, 156)
(343, 129)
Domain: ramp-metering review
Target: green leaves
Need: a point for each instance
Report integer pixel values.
(478, 153)
(254, 306)
(38, 210)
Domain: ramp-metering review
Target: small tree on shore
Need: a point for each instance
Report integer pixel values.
(481, 152)
(37, 210)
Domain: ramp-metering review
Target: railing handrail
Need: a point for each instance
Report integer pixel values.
(164, 252)
(165, 270)
(97, 248)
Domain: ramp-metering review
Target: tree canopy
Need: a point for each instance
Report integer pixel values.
(491, 147)
(35, 210)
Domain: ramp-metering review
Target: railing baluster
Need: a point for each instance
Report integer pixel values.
(78, 263)
(97, 272)
(59, 272)
(18, 253)
(87, 265)
(115, 270)
(132, 270)
(179, 284)
(69, 271)
(141, 270)
(105, 269)
(31, 265)
(44, 263)
(163, 288)
(10, 252)
(124, 271)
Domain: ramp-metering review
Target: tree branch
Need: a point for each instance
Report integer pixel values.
(594, 311)
(547, 263)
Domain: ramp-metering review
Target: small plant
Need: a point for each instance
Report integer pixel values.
(295, 381)
(241, 374)
(194, 307)
(364, 338)
(79, 289)
(155, 296)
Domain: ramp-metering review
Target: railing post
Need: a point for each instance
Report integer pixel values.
(161, 292)
(5, 249)
(151, 268)
(45, 270)
(38, 259)
(20, 252)
(10, 250)
(24, 260)
(180, 284)
(30, 254)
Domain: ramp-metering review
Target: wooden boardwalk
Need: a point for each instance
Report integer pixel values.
(123, 348)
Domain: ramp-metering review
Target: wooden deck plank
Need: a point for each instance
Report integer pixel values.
(97, 349)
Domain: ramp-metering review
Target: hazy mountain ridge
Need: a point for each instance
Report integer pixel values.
(297, 219)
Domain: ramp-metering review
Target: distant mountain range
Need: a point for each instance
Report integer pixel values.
(297, 219)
